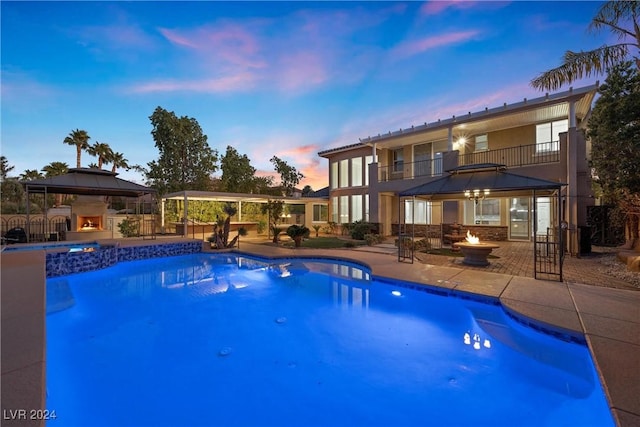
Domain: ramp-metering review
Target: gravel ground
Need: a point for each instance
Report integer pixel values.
(610, 265)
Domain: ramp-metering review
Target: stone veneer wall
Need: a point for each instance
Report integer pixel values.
(63, 263)
(492, 233)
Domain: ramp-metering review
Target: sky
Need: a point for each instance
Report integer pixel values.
(269, 78)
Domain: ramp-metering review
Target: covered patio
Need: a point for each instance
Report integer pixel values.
(191, 227)
(477, 182)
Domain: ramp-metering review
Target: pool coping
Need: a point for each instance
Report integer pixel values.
(606, 318)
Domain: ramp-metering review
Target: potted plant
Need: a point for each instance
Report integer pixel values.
(297, 232)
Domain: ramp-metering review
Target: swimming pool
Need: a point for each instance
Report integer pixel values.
(213, 339)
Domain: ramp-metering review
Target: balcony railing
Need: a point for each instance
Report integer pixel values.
(422, 168)
(523, 155)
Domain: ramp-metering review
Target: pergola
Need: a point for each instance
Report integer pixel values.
(462, 182)
(84, 182)
(214, 196)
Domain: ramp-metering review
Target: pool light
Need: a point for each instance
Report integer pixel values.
(396, 293)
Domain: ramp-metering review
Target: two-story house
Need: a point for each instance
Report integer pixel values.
(541, 138)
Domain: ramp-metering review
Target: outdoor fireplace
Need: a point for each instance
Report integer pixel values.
(89, 223)
(88, 218)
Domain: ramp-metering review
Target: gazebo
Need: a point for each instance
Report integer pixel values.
(88, 212)
(478, 181)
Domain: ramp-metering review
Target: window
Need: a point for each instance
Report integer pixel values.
(422, 212)
(320, 213)
(356, 172)
(356, 208)
(334, 175)
(484, 212)
(398, 160)
(548, 135)
(366, 207)
(367, 161)
(344, 173)
(344, 210)
(482, 143)
(334, 209)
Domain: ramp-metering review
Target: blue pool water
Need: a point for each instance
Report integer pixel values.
(226, 340)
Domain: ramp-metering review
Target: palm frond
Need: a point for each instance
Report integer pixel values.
(612, 13)
(577, 65)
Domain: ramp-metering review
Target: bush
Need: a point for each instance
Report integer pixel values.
(373, 239)
(358, 229)
(417, 245)
(350, 244)
(128, 227)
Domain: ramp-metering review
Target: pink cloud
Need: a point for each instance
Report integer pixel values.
(415, 47)
(232, 83)
(231, 43)
(434, 7)
(302, 70)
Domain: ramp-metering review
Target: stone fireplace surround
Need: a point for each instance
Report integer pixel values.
(88, 219)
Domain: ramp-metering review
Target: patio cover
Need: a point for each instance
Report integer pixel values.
(490, 176)
(87, 181)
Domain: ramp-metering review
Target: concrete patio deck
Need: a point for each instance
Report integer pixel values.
(608, 318)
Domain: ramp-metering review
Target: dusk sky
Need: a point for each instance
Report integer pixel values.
(268, 78)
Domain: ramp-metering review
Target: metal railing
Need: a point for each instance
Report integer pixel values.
(421, 168)
(522, 155)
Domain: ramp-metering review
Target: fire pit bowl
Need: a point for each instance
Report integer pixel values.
(474, 251)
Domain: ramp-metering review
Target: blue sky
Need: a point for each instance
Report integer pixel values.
(269, 78)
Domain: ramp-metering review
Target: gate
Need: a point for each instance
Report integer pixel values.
(548, 255)
(405, 248)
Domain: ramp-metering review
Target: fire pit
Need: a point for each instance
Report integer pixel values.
(474, 251)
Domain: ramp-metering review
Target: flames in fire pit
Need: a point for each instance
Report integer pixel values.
(474, 240)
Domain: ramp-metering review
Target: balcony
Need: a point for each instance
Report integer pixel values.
(523, 155)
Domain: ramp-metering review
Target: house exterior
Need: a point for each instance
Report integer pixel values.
(540, 138)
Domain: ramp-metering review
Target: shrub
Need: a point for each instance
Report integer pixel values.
(297, 232)
(128, 227)
(358, 229)
(373, 239)
(350, 244)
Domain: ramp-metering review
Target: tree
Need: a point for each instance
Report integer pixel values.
(102, 151)
(11, 196)
(237, 172)
(56, 169)
(31, 175)
(614, 132)
(274, 210)
(613, 15)
(186, 161)
(80, 139)
(117, 160)
(5, 168)
(289, 176)
(307, 190)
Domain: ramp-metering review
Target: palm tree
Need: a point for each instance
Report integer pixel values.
(55, 169)
(612, 15)
(102, 151)
(118, 161)
(31, 175)
(80, 139)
